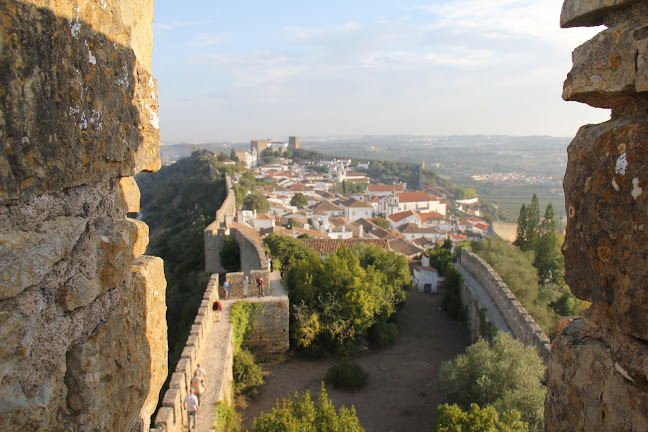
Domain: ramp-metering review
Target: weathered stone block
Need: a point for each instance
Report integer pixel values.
(78, 106)
(28, 256)
(605, 71)
(607, 232)
(589, 390)
(587, 13)
(128, 195)
(113, 378)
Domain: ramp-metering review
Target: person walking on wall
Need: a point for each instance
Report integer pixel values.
(226, 287)
(198, 385)
(260, 285)
(202, 372)
(217, 307)
(270, 260)
(191, 405)
(246, 285)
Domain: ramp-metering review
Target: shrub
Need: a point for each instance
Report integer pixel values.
(453, 419)
(347, 375)
(300, 414)
(507, 375)
(242, 317)
(382, 333)
(248, 376)
(227, 419)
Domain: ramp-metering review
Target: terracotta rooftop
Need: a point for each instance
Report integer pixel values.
(326, 206)
(385, 188)
(354, 203)
(418, 196)
(329, 246)
(397, 217)
(403, 247)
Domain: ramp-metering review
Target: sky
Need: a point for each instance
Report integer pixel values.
(242, 70)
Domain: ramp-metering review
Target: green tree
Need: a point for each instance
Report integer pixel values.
(233, 156)
(441, 255)
(299, 200)
(521, 231)
(381, 222)
(533, 223)
(300, 414)
(507, 376)
(221, 156)
(451, 418)
(256, 201)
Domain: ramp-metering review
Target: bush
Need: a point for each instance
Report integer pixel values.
(242, 317)
(227, 419)
(300, 414)
(248, 376)
(451, 418)
(347, 376)
(230, 255)
(382, 333)
(507, 375)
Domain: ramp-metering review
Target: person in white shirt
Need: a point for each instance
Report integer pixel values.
(191, 404)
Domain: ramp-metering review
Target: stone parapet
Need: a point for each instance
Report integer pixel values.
(521, 323)
(271, 335)
(599, 365)
(171, 416)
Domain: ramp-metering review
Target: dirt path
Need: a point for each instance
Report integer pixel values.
(402, 393)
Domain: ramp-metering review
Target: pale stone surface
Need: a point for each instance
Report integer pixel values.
(586, 13)
(113, 378)
(587, 390)
(28, 256)
(605, 71)
(128, 195)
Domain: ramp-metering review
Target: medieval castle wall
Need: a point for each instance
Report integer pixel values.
(522, 325)
(82, 310)
(598, 374)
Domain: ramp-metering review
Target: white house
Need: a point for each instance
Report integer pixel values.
(425, 279)
(354, 209)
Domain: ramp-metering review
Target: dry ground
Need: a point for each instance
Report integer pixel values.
(505, 230)
(402, 393)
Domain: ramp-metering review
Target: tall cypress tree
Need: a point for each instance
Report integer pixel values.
(533, 223)
(549, 224)
(521, 232)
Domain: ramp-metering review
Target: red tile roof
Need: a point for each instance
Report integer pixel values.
(418, 196)
(403, 247)
(329, 246)
(397, 217)
(385, 188)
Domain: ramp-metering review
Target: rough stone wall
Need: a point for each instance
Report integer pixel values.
(522, 325)
(477, 328)
(171, 416)
(598, 374)
(82, 311)
(215, 232)
(271, 325)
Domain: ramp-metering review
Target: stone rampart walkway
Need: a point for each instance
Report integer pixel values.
(214, 358)
(493, 314)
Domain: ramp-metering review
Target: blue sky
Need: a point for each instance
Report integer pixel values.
(241, 70)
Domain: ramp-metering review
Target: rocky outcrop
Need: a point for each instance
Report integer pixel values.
(82, 310)
(598, 375)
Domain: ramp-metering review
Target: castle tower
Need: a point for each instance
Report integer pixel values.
(293, 142)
